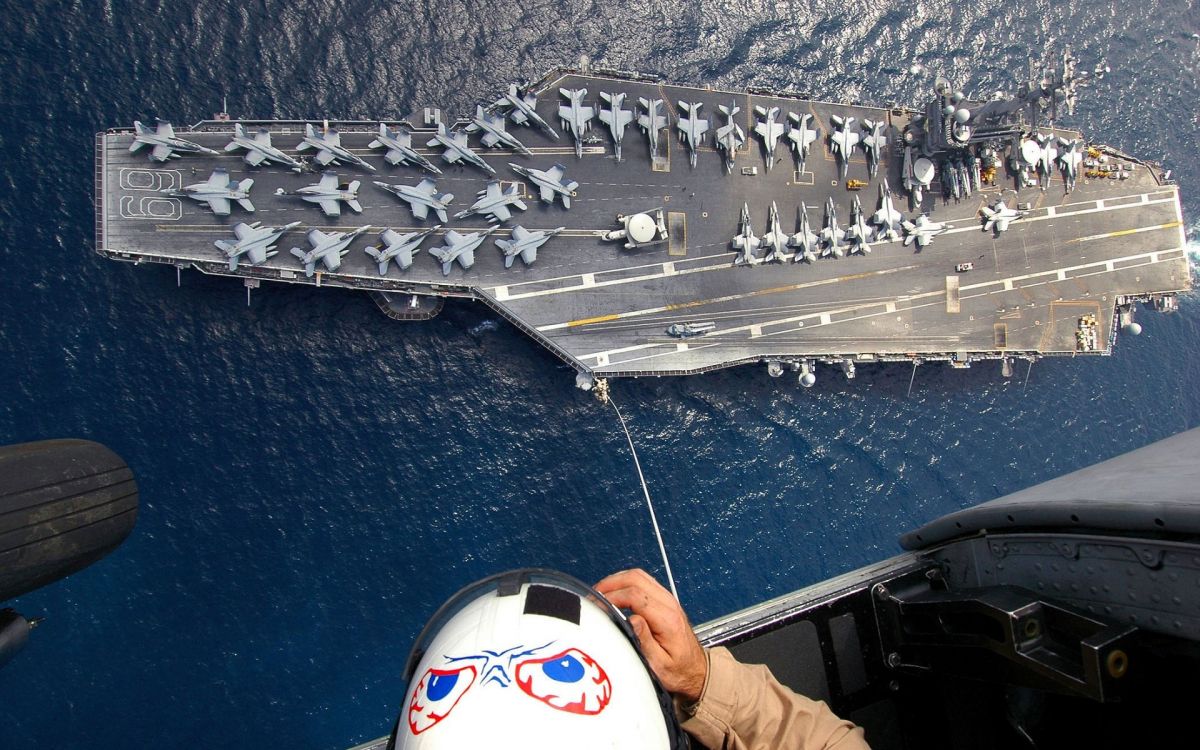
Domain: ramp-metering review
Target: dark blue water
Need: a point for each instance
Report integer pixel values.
(316, 479)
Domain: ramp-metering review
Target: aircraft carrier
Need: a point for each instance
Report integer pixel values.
(1042, 241)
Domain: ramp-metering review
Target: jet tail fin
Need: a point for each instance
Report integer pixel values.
(298, 253)
(246, 184)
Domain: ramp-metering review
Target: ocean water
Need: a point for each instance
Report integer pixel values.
(316, 479)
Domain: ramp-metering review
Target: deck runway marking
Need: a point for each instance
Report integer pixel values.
(1126, 232)
(716, 300)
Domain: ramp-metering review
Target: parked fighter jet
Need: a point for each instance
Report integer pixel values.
(1069, 159)
(549, 182)
(455, 143)
(327, 248)
(254, 241)
(801, 132)
(887, 218)
(576, 116)
(217, 191)
(769, 129)
(858, 232)
(997, 217)
(745, 241)
(400, 247)
(399, 147)
(922, 231)
(460, 247)
(832, 236)
(164, 142)
(329, 194)
(523, 109)
(692, 128)
(652, 121)
(421, 198)
(804, 240)
(1049, 155)
(258, 148)
(494, 134)
(775, 240)
(730, 136)
(615, 118)
(330, 150)
(525, 244)
(843, 140)
(494, 202)
(874, 142)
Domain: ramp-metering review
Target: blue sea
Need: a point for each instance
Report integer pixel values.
(316, 479)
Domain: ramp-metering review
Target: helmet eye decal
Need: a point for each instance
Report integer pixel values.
(569, 681)
(436, 695)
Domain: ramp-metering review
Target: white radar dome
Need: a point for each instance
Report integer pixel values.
(640, 228)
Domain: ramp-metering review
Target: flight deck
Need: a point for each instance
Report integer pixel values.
(1059, 279)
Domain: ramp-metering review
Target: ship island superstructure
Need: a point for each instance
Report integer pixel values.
(638, 228)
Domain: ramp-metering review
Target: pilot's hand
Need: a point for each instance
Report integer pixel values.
(668, 642)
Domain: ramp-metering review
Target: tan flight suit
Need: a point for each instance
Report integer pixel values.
(743, 707)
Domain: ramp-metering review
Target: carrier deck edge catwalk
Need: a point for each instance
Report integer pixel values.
(1037, 243)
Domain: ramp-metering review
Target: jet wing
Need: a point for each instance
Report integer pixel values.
(243, 231)
(331, 208)
(420, 210)
(451, 155)
(254, 158)
(263, 137)
(257, 254)
(161, 152)
(328, 181)
(529, 254)
(218, 179)
(467, 257)
(547, 193)
(556, 173)
(324, 158)
(316, 237)
(501, 212)
(493, 190)
(166, 130)
(520, 233)
(426, 186)
(219, 206)
(333, 137)
(489, 139)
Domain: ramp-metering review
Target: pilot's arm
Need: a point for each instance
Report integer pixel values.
(722, 703)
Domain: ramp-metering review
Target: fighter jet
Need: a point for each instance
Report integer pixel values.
(858, 232)
(549, 182)
(1045, 165)
(775, 240)
(997, 217)
(874, 142)
(164, 142)
(524, 109)
(398, 143)
(258, 148)
(801, 132)
(1069, 159)
(576, 117)
(730, 136)
(421, 198)
(494, 134)
(525, 244)
(400, 247)
(745, 241)
(494, 202)
(327, 248)
(330, 150)
(460, 247)
(329, 194)
(832, 236)
(805, 240)
(843, 140)
(887, 218)
(652, 121)
(217, 192)
(455, 143)
(615, 118)
(254, 241)
(922, 231)
(769, 129)
(692, 128)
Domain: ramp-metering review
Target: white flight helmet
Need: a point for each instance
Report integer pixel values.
(532, 659)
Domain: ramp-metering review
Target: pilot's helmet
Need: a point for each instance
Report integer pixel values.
(532, 659)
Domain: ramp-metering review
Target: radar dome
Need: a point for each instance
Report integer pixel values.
(808, 380)
(961, 116)
(640, 228)
(957, 97)
(948, 110)
(1133, 329)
